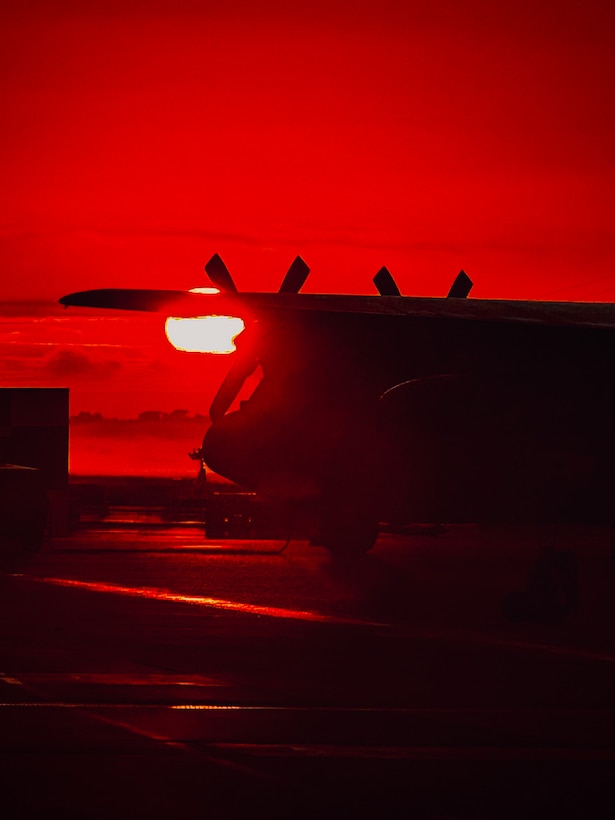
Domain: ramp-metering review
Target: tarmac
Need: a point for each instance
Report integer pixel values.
(146, 671)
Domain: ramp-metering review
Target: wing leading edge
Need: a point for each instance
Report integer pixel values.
(186, 303)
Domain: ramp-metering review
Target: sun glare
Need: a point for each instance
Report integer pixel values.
(204, 334)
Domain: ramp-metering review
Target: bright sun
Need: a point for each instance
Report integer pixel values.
(204, 334)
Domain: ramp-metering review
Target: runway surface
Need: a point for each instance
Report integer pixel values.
(145, 672)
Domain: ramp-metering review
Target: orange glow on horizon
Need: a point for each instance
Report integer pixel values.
(204, 334)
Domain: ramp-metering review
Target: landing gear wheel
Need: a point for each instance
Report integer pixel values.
(348, 536)
(551, 590)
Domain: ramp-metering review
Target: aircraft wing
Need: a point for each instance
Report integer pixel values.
(186, 303)
(155, 301)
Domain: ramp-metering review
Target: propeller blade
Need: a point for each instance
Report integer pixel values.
(219, 275)
(295, 277)
(244, 364)
(460, 287)
(385, 283)
(241, 369)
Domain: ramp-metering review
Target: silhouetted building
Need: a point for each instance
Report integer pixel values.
(34, 433)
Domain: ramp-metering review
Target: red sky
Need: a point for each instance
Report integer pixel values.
(141, 137)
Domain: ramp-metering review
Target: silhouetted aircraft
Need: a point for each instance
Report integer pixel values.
(399, 409)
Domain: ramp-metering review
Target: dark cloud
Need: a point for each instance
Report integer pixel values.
(70, 363)
(30, 309)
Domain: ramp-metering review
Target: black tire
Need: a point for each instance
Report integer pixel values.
(551, 591)
(348, 536)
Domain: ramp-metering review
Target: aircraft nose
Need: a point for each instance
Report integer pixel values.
(229, 450)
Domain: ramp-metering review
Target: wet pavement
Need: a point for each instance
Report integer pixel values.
(145, 672)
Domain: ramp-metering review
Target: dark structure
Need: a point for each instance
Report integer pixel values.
(34, 433)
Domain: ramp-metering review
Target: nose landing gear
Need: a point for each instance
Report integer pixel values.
(551, 590)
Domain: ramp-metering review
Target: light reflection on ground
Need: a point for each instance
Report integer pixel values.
(471, 637)
(155, 594)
